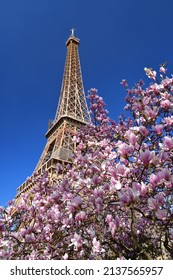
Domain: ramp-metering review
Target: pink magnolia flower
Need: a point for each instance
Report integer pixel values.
(146, 156)
(129, 195)
(113, 172)
(120, 168)
(161, 214)
(99, 204)
(113, 224)
(30, 237)
(164, 174)
(132, 138)
(167, 82)
(154, 180)
(162, 69)
(66, 223)
(115, 185)
(124, 83)
(165, 104)
(118, 185)
(156, 201)
(75, 203)
(97, 246)
(168, 141)
(65, 257)
(168, 120)
(124, 197)
(154, 88)
(150, 73)
(150, 113)
(112, 227)
(98, 192)
(153, 203)
(162, 155)
(96, 179)
(160, 198)
(158, 128)
(109, 218)
(143, 189)
(144, 131)
(77, 241)
(125, 149)
(81, 216)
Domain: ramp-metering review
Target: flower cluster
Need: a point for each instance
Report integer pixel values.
(116, 200)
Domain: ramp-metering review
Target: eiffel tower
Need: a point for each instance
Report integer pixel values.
(72, 113)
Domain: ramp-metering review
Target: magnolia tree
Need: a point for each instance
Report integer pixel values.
(115, 201)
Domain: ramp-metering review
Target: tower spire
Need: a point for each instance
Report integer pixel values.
(72, 102)
(71, 114)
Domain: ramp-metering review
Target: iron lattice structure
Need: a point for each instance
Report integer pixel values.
(72, 112)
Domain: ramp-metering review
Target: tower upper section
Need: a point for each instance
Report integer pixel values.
(72, 102)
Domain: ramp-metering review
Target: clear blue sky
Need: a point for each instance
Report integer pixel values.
(118, 38)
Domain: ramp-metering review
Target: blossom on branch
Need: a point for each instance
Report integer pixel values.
(115, 201)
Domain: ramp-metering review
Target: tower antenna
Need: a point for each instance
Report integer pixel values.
(72, 31)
